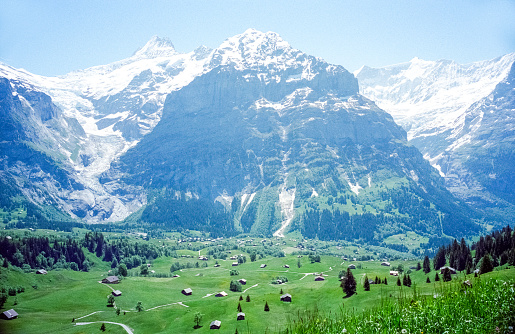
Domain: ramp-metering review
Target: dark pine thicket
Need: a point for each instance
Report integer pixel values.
(499, 245)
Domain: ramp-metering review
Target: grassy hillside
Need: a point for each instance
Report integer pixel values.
(63, 295)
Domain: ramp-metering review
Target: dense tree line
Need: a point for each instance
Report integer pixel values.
(177, 212)
(43, 252)
(126, 251)
(498, 247)
(338, 225)
(499, 244)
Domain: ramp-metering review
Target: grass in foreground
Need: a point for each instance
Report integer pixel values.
(486, 307)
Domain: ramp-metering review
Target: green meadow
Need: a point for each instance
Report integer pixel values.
(64, 295)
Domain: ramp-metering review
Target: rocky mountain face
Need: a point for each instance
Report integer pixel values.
(278, 137)
(461, 119)
(253, 136)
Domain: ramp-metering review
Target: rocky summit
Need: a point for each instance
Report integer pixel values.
(461, 118)
(254, 136)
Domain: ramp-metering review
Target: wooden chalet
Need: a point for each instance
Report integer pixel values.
(111, 280)
(221, 294)
(215, 324)
(286, 298)
(10, 314)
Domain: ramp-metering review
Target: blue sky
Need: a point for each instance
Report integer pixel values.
(56, 37)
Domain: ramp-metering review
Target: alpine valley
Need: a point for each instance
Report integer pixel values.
(257, 137)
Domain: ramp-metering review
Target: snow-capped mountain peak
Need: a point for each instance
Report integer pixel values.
(253, 48)
(156, 47)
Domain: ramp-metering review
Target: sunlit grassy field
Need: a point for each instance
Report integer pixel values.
(64, 295)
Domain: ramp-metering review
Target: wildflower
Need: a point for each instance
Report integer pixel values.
(344, 330)
(404, 331)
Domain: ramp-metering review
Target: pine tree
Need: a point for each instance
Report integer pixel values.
(348, 283)
(404, 280)
(266, 307)
(428, 280)
(439, 259)
(247, 299)
(437, 278)
(409, 281)
(377, 280)
(239, 307)
(366, 285)
(385, 281)
(139, 307)
(426, 265)
(103, 327)
(486, 264)
(398, 281)
(418, 266)
(241, 297)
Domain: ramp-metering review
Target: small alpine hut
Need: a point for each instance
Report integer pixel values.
(187, 292)
(221, 294)
(111, 280)
(235, 264)
(351, 266)
(240, 316)
(41, 272)
(286, 298)
(386, 264)
(452, 270)
(394, 273)
(286, 266)
(10, 314)
(116, 293)
(215, 324)
(263, 266)
(319, 278)
(242, 281)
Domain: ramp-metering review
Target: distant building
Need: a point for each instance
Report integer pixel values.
(175, 276)
(286, 298)
(235, 264)
(242, 281)
(187, 292)
(394, 273)
(215, 324)
(10, 314)
(117, 293)
(216, 265)
(111, 280)
(240, 316)
(452, 270)
(351, 266)
(263, 265)
(319, 278)
(371, 281)
(221, 294)
(41, 272)
(386, 264)
(286, 266)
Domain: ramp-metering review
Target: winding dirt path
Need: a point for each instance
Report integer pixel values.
(250, 288)
(127, 329)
